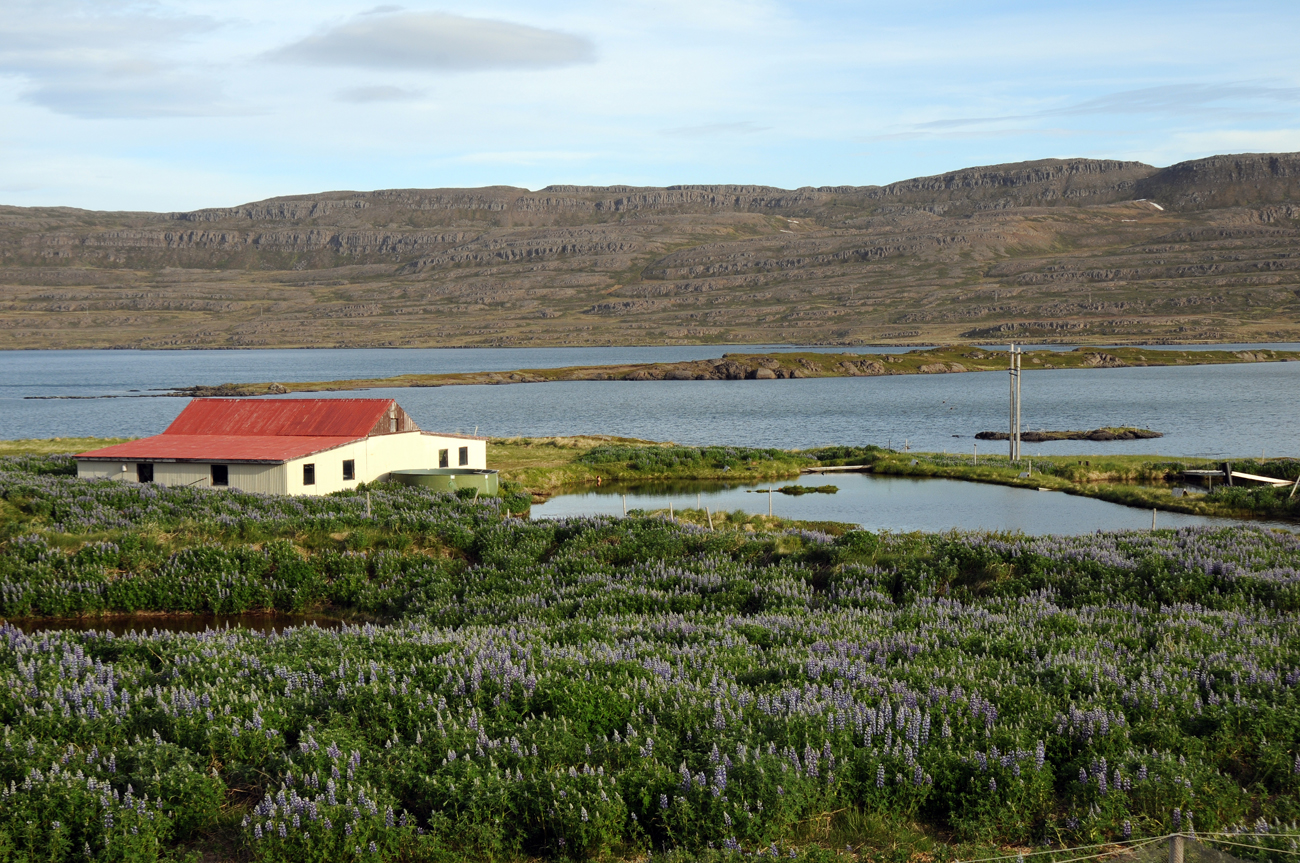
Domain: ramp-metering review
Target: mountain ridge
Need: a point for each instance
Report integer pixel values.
(1084, 249)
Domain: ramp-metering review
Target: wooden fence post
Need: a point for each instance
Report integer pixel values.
(1176, 848)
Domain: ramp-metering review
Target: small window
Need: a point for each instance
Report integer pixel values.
(309, 474)
(464, 456)
(144, 472)
(220, 474)
(444, 459)
(349, 469)
(392, 423)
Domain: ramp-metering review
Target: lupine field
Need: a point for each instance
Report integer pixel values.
(617, 688)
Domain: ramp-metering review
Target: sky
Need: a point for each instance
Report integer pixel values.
(179, 104)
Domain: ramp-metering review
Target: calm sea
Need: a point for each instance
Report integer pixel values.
(1203, 410)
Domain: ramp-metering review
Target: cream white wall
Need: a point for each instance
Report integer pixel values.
(375, 457)
(477, 450)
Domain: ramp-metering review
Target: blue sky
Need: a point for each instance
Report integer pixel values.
(177, 104)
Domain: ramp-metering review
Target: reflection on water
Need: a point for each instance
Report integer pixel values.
(147, 623)
(889, 503)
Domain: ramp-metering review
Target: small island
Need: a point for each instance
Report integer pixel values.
(1099, 434)
(783, 365)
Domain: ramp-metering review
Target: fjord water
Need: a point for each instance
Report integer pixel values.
(898, 504)
(1210, 411)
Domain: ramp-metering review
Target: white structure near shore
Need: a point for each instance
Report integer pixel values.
(283, 446)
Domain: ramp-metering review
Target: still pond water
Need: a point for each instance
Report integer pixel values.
(897, 504)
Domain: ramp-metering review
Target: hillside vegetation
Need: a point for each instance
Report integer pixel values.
(1076, 250)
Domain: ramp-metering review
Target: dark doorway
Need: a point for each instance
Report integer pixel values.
(221, 474)
(144, 472)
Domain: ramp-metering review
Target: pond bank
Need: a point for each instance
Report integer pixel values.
(552, 466)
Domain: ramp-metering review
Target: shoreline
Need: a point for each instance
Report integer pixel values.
(956, 359)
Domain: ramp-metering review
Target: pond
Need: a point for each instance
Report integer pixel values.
(897, 504)
(143, 624)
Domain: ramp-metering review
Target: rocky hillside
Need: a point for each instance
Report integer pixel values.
(1055, 250)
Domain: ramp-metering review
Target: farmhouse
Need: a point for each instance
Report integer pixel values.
(284, 446)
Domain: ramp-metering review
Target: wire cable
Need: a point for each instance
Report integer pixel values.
(1133, 844)
(1257, 847)
(1127, 845)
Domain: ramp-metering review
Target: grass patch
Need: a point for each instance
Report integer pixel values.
(56, 445)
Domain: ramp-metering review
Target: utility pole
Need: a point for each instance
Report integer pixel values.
(1013, 437)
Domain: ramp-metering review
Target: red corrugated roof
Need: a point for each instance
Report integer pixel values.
(353, 418)
(253, 430)
(218, 448)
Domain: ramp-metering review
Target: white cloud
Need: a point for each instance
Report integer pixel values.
(523, 157)
(708, 130)
(436, 41)
(126, 96)
(376, 93)
(1168, 100)
(107, 61)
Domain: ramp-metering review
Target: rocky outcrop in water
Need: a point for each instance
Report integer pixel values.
(1101, 434)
